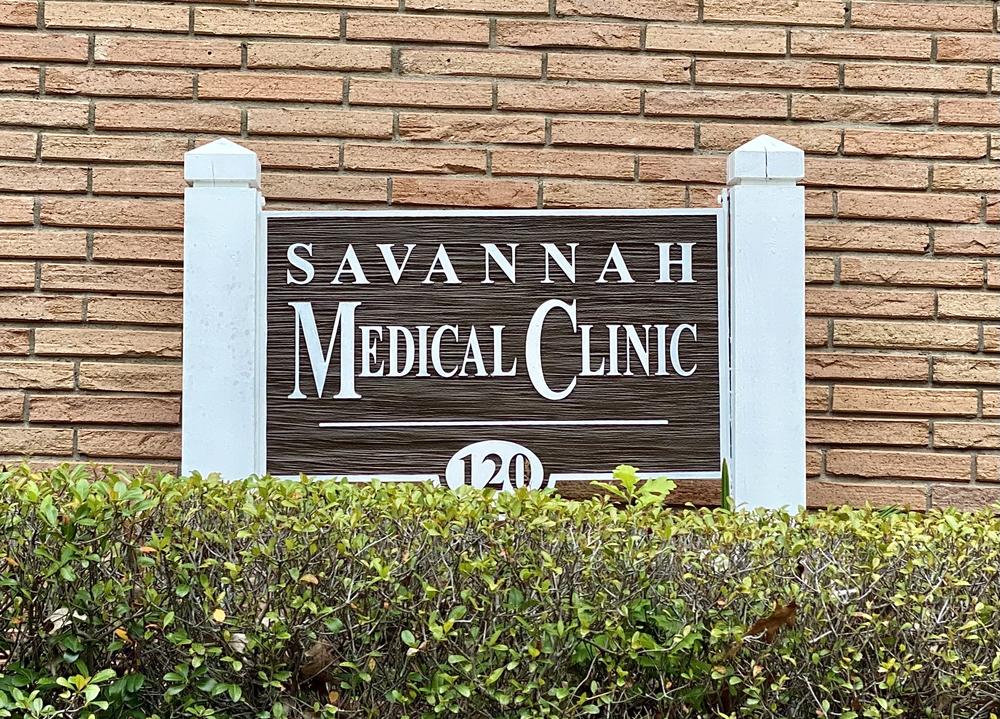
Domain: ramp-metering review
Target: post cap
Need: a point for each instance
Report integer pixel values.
(222, 163)
(765, 159)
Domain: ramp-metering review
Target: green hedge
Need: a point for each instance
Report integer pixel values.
(152, 596)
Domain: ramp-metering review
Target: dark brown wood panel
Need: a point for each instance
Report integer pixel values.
(690, 442)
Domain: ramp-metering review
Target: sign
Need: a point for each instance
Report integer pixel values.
(503, 348)
(498, 348)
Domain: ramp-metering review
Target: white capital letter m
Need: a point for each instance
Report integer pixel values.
(319, 361)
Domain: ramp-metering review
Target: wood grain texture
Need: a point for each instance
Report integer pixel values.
(295, 442)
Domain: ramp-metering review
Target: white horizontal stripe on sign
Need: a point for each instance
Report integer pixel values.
(504, 423)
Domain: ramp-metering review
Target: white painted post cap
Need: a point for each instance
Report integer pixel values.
(222, 163)
(765, 159)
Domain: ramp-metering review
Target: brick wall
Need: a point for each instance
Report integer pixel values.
(514, 103)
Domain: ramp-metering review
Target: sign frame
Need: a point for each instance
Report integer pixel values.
(723, 291)
(763, 207)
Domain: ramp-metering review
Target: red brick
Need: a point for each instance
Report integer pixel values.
(353, 4)
(944, 273)
(901, 465)
(549, 33)
(905, 401)
(135, 310)
(251, 21)
(874, 45)
(13, 342)
(107, 342)
(466, 193)
(967, 435)
(519, 7)
(305, 186)
(715, 40)
(915, 144)
(471, 128)
(167, 181)
(838, 494)
(915, 77)
(35, 374)
(130, 377)
(843, 172)
(820, 270)
(113, 149)
(409, 28)
(971, 305)
(420, 93)
(14, 78)
(968, 178)
(905, 335)
(318, 56)
(471, 62)
(777, 12)
(767, 73)
(858, 366)
(822, 430)
(817, 398)
(963, 111)
(35, 46)
(817, 332)
(991, 338)
(726, 137)
(38, 308)
(624, 68)
(43, 113)
(43, 243)
(922, 15)
(963, 497)
(31, 441)
(269, 86)
(991, 404)
(115, 49)
(104, 409)
(197, 117)
(715, 103)
(18, 13)
(116, 16)
(18, 145)
(858, 237)
(619, 194)
(129, 443)
(568, 98)
(17, 275)
(628, 133)
(42, 178)
(637, 9)
(136, 83)
(968, 47)
(92, 212)
(16, 211)
(566, 163)
(405, 158)
(909, 206)
(138, 246)
(988, 468)
(308, 154)
(846, 302)
(966, 370)
(112, 278)
(679, 168)
(333, 123)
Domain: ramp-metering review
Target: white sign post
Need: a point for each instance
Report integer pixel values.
(767, 324)
(224, 413)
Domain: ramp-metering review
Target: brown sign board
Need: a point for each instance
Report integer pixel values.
(497, 348)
